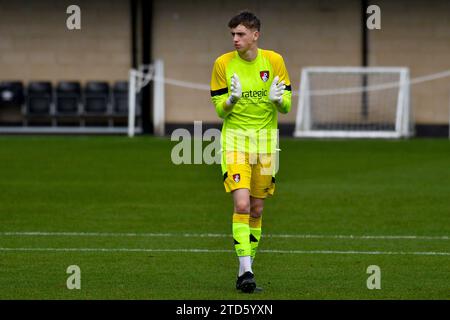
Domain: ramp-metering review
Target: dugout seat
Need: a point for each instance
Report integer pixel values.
(68, 97)
(120, 97)
(11, 94)
(39, 97)
(96, 97)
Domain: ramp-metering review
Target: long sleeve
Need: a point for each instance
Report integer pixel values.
(219, 88)
(281, 71)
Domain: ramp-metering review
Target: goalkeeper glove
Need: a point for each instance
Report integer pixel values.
(276, 90)
(236, 90)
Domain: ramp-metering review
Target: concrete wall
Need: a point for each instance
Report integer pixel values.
(190, 35)
(416, 34)
(35, 43)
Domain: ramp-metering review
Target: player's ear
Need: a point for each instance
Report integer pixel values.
(256, 35)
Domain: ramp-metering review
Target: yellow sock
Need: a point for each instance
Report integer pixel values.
(241, 234)
(255, 233)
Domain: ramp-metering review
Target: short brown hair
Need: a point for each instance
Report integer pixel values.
(247, 19)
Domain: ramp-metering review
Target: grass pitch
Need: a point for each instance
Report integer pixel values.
(132, 221)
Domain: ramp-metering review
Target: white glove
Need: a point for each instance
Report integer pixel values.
(236, 90)
(276, 90)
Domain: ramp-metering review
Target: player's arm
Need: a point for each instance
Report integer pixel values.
(280, 90)
(223, 101)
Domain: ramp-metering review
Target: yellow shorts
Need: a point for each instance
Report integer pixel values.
(253, 172)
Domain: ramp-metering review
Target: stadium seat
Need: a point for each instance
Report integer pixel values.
(39, 97)
(11, 94)
(68, 97)
(96, 97)
(120, 97)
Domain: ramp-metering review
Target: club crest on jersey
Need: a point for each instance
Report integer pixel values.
(264, 75)
(236, 177)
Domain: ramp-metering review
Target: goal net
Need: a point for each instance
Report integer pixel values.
(354, 102)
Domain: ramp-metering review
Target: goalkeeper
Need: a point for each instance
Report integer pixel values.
(249, 86)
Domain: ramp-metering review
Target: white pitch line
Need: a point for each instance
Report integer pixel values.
(113, 250)
(218, 235)
(318, 236)
(428, 253)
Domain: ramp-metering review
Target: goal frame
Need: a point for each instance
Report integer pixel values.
(403, 113)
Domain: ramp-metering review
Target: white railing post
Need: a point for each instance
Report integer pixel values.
(158, 99)
(131, 102)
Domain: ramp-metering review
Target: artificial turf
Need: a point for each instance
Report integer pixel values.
(117, 193)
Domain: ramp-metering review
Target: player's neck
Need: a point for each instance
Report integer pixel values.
(250, 54)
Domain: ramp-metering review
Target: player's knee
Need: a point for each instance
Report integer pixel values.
(242, 206)
(256, 210)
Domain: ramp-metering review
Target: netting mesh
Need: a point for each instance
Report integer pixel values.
(354, 102)
(362, 109)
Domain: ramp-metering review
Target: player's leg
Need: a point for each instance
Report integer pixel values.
(262, 186)
(241, 229)
(255, 223)
(237, 180)
(241, 236)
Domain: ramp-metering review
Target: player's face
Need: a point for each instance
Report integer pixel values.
(244, 38)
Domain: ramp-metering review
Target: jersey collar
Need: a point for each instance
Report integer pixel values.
(249, 62)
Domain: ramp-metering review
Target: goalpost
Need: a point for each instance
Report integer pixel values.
(354, 102)
(139, 79)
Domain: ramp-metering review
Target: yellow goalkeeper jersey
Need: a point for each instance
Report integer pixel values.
(254, 115)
